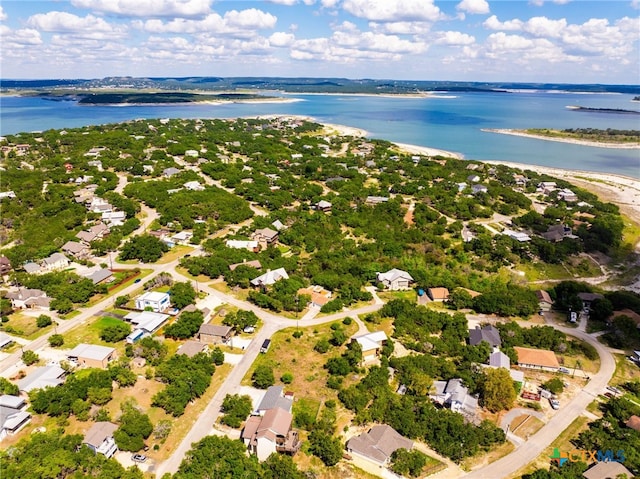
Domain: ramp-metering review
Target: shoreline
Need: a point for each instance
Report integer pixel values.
(573, 141)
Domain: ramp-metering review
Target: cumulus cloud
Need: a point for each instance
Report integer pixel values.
(21, 37)
(284, 2)
(63, 22)
(473, 6)
(148, 8)
(395, 11)
(281, 39)
(234, 22)
(492, 23)
(401, 28)
(454, 38)
(3, 16)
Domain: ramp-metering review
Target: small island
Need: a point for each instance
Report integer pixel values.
(619, 111)
(609, 138)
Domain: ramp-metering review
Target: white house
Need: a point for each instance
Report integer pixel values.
(155, 300)
(100, 438)
(270, 277)
(13, 416)
(395, 279)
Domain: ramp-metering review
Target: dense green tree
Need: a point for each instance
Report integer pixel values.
(328, 448)
(236, 408)
(263, 377)
(134, 428)
(29, 357)
(7, 387)
(56, 340)
(498, 392)
(404, 462)
(279, 466)
(145, 248)
(43, 321)
(115, 332)
(186, 326)
(182, 294)
(240, 320)
(218, 457)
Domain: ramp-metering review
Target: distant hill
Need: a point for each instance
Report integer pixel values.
(306, 85)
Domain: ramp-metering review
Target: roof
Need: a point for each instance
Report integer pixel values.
(54, 258)
(277, 224)
(543, 296)
(275, 421)
(153, 296)
(5, 340)
(371, 341)
(633, 422)
(241, 244)
(270, 277)
(91, 351)
(498, 359)
(487, 333)
(323, 204)
(31, 267)
(606, 470)
(393, 275)
(100, 275)
(251, 427)
(438, 294)
(191, 348)
(11, 419)
(275, 398)
(73, 247)
(471, 292)
(536, 357)
(147, 320)
(13, 402)
(628, 313)
(379, 443)
(25, 293)
(99, 432)
(215, 330)
(42, 377)
(268, 233)
(589, 296)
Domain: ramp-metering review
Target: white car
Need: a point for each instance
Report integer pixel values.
(555, 404)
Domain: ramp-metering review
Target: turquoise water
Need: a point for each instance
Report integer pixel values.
(451, 122)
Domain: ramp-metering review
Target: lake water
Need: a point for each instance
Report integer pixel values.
(452, 122)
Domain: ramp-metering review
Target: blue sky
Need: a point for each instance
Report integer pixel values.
(467, 40)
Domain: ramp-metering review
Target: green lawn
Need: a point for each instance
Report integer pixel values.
(90, 333)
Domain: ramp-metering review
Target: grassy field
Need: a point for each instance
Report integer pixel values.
(174, 253)
(24, 325)
(90, 333)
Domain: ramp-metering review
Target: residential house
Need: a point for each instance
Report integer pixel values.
(473, 178)
(191, 348)
(497, 359)
(467, 234)
(371, 344)
(488, 333)
(252, 264)
(319, 295)
(7, 194)
(546, 187)
(274, 397)
(5, 266)
(91, 355)
(607, 470)
(545, 303)
(99, 438)
(155, 300)
(438, 294)
(25, 298)
(269, 278)
(101, 276)
(114, 218)
(77, 250)
(265, 236)
(475, 189)
(264, 435)
(454, 395)
(557, 233)
(567, 195)
(146, 321)
(395, 279)
(278, 225)
(633, 422)
(516, 235)
(32, 268)
(214, 333)
(537, 359)
(375, 200)
(324, 206)
(55, 262)
(42, 377)
(193, 186)
(183, 237)
(169, 172)
(96, 232)
(378, 444)
(243, 244)
(13, 416)
(588, 298)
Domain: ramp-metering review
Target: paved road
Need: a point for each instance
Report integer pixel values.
(531, 449)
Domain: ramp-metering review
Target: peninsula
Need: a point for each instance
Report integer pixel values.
(620, 139)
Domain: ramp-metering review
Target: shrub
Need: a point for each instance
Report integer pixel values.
(56, 340)
(286, 378)
(43, 321)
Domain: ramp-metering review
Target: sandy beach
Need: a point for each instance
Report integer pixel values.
(595, 144)
(428, 151)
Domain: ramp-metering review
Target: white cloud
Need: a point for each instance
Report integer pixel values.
(284, 2)
(393, 11)
(544, 27)
(148, 8)
(401, 28)
(635, 4)
(281, 39)
(63, 22)
(454, 38)
(3, 16)
(234, 22)
(492, 23)
(473, 6)
(16, 38)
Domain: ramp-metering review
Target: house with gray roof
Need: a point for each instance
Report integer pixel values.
(55, 262)
(269, 278)
(5, 340)
(25, 298)
(274, 397)
(453, 394)
(395, 279)
(13, 416)
(42, 377)
(378, 444)
(91, 355)
(487, 333)
(191, 348)
(497, 359)
(76, 249)
(101, 276)
(214, 333)
(100, 438)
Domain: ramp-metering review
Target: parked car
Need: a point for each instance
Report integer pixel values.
(249, 329)
(564, 370)
(138, 458)
(555, 404)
